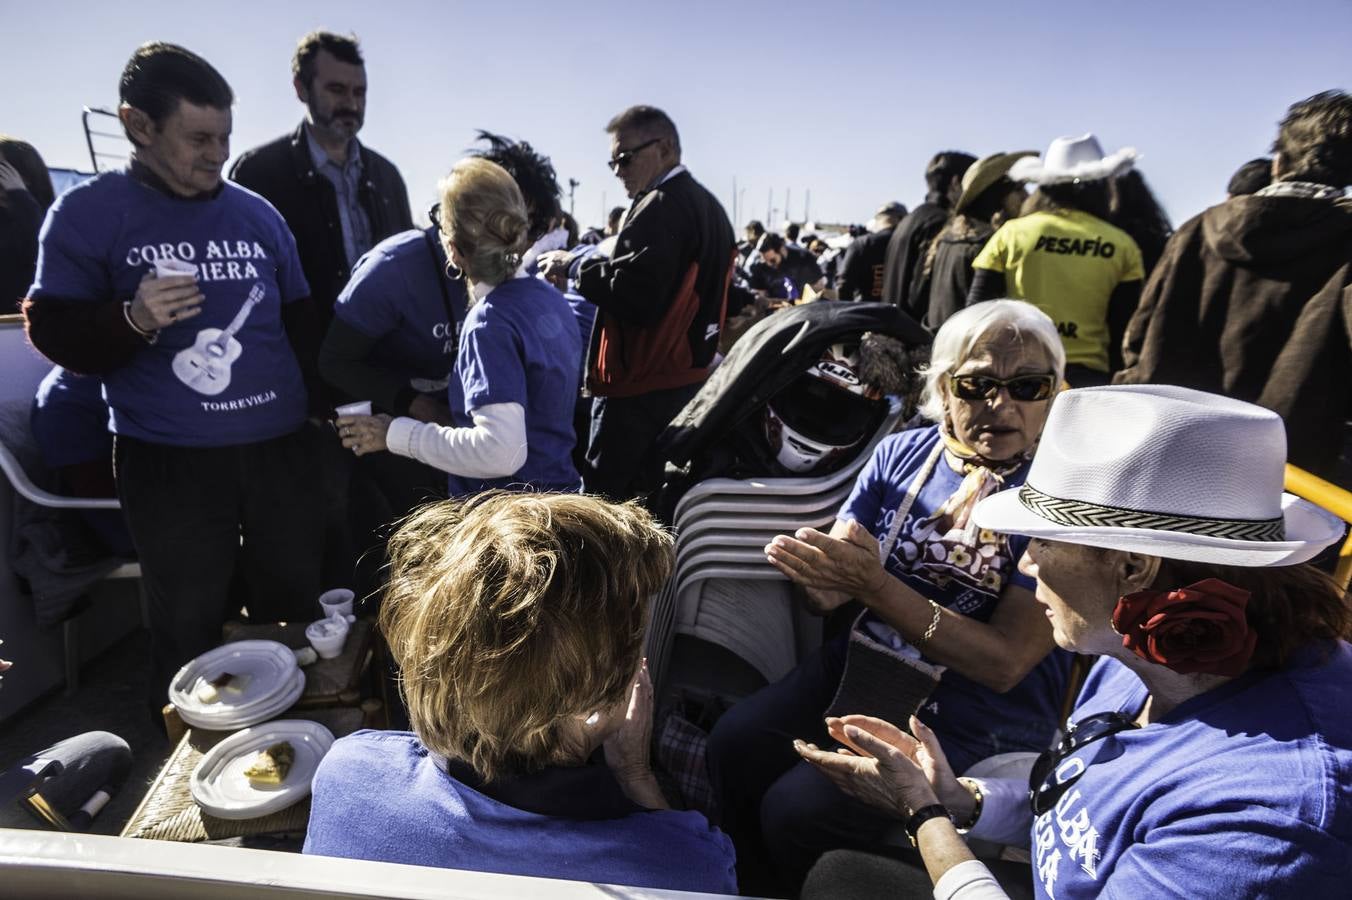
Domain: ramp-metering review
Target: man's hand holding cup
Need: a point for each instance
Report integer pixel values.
(170, 295)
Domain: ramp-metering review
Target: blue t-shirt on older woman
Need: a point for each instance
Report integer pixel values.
(1243, 791)
(225, 376)
(400, 295)
(381, 795)
(972, 722)
(521, 345)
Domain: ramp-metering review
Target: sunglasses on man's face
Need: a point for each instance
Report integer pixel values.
(622, 159)
(1027, 388)
(1044, 786)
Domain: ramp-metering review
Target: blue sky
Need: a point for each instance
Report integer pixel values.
(843, 99)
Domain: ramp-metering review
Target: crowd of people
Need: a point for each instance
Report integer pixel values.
(281, 370)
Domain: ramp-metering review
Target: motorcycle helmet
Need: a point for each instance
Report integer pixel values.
(823, 414)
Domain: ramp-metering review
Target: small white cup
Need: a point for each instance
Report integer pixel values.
(174, 268)
(360, 408)
(337, 602)
(327, 636)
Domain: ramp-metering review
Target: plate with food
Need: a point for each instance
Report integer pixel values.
(260, 770)
(232, 679)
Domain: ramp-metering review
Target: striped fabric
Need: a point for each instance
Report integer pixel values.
(1077, 513)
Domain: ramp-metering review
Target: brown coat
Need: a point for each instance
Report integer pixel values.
(1253, 299)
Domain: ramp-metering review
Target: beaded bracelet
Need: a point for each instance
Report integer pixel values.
(933, 625)
(978, 800)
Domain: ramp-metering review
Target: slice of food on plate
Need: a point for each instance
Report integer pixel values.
(210, 690)
(271, 766)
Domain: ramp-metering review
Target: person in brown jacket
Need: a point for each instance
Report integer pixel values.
(1253, 298)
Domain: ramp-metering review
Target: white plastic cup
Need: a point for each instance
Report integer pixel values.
(327, 636)
(336, 603)
(174, 268)
(360, 408)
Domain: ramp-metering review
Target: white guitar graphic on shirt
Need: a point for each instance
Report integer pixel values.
(205, 366)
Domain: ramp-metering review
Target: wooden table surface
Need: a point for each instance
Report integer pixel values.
(169, 813)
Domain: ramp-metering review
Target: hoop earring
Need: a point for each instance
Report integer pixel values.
(452, 272)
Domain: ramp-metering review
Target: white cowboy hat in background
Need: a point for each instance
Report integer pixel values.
(1073, 159)
(1165, 471)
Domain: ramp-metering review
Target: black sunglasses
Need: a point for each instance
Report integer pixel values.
(625, 157)
(1027, 388)
(1044, 788)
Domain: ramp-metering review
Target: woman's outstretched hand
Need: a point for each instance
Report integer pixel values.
(885, 767)
(846, 563)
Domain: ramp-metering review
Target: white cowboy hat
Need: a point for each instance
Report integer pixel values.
(1073, 159)
(1166, 471)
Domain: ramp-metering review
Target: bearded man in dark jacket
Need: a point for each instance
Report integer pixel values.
(1253, 298)
(339, 197)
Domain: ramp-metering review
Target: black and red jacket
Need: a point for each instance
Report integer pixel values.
(661, 297)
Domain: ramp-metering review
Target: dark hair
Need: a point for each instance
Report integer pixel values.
(25, 158)
(941, 171)
(648, 121)
(1086, 196)
(986, 204)
(569, 225)
(755, 226)
(615, 215)
(341, 47)
(1251, 177)
(1133, 208)
(533, 173)
(791, 232)
(158, 75)
(770, 241)
(1315, 140)
(1289, 606)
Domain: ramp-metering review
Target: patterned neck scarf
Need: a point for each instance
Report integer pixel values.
(1310, 190)
(947, 543)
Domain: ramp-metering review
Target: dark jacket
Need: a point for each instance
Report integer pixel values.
(906, 252)
(1253, 299)
(661, 298)
(861, 272)
(282, 172)
(949, 278)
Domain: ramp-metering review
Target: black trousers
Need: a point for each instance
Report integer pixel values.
(204, 518)
(621, 460)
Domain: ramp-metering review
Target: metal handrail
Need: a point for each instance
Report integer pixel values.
(90, 134)
(1329, 496)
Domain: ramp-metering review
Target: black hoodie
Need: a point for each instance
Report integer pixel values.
(1253, 299)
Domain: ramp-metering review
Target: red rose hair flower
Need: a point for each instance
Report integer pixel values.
(1199, 628)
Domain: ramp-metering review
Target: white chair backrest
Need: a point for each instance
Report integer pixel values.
(39, 864)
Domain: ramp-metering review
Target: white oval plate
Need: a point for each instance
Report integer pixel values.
(229, 718)
(269, 665)
(218, 783)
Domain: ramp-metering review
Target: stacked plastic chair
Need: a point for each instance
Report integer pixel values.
(722, 526)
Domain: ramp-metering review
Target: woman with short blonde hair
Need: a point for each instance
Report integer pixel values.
(517, 367)
(517, 622)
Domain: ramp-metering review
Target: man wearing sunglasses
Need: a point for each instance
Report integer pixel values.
(661, 295)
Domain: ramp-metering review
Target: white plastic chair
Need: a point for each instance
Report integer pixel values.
(24, 487)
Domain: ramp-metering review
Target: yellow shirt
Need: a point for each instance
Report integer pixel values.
(1067, 265)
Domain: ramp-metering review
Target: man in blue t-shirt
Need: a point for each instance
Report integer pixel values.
(186, 296)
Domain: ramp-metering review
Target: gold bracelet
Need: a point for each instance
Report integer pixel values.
(933, 625)
(978, 800)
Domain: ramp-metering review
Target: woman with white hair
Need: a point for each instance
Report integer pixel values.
(1210, 752)
(949, 631)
